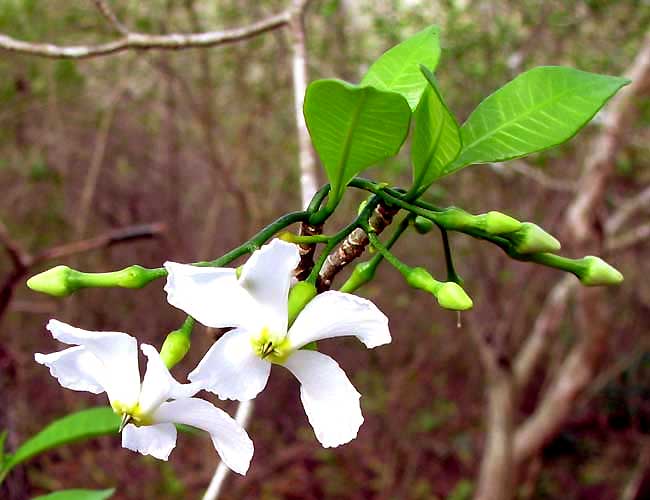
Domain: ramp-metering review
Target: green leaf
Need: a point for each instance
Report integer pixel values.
(398, 69)
(539, 109)
(74, 427)
(436, 140)
(3, 439)
(78, 495)
(353, 127)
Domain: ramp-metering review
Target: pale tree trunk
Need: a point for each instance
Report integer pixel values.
(496, 478)
(506, 457)
(308, 184)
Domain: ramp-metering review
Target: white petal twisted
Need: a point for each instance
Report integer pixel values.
(330, 400)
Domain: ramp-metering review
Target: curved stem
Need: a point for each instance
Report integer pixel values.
(452, 275)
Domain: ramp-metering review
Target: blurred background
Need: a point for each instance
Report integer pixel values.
(202, 143)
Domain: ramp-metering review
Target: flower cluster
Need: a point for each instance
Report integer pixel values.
(255, 304)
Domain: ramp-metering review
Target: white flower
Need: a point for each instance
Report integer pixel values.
(237, 366)
(108, 362)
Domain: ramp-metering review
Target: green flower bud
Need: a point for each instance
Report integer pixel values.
(422, 225)
(418, 277)
(238, 271)
(450, 295)
(175, 347)
(531, 238)
(363, 273)
(597, 272)
(62, 281)
(498, 223)
(299, 297)
(58, 281)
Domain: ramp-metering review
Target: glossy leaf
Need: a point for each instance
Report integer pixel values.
(436, 140)
(353, 127)
(78, 495)
(539, 109)
(398, 69)
(69, 429)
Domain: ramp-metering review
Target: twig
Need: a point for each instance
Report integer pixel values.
(18, 256)
(143, 41)
(633, 487)
(22, 267)
(122, 235)
(545, 325)
(632, 237)
(616, 221)
(106, 11)
(536, 175)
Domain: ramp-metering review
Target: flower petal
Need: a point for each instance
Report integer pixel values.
(336, 314)
(267, 277)
(230, 440)
(116, 351)
(330, 400)
(230, 368)
(75, 368)
(156, 440)
(158, 384)
(212, 295)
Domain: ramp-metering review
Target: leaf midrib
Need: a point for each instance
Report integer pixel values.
(409, 59)
(523, 115)
(347, 144)
(430, 153)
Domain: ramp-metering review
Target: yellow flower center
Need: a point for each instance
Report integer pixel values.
(272, 347)
(131, 414)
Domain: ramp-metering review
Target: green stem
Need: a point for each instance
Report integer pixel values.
(456, 219)
(188, 326)
(452, 275)
(385, 252)
(303, 239)
(318, 198)
(258, 240)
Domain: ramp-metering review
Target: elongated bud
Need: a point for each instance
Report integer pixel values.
(452, 296)
(299, 296)
(533, 239)
(498, 223)
(175, 347)
(597, 272)
(363, 273)
(58, 281)
(422, 225)
(61, 281)
(449, 295)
